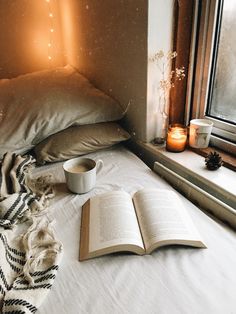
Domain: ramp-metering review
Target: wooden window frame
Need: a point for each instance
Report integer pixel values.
(203, 41)
(183, 27)
(194, 21)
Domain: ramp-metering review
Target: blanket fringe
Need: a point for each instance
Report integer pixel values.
(41, 248)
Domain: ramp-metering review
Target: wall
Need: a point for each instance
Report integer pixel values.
(110, 42)
(107, 41)
(24, 37)
(160, 37)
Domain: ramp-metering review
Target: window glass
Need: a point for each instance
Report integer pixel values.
(222, 104)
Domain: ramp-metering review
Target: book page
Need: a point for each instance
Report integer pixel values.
(162, 218)
(113, 221)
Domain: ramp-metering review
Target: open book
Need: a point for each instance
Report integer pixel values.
(115, 222)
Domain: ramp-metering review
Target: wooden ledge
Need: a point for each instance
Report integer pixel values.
(229, 161)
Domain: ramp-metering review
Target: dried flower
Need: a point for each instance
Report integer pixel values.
(171, 55)
(168, 76)
(164, 63)
(159, 54)
(167, 81)
(180, 73)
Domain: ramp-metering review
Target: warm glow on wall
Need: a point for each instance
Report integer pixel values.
(70, 32)
(51, 30)
(26, 37)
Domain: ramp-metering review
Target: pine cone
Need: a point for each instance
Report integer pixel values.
(213, 161)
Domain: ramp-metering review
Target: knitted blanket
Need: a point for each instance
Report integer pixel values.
(29, 260)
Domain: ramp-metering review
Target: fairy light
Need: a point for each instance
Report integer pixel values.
(51, 30)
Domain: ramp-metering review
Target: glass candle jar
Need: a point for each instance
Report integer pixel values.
(176, 138)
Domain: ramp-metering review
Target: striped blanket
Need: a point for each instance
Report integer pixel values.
(28, 260)
(19, 194)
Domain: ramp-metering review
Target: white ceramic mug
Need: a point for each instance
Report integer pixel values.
(80, 174)
(200, 133)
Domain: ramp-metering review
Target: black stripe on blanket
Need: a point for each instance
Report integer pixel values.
(14, 259)
(22, 208)
(45, 286)
(13, 267)
(40, 273)
(43, 272)
(17, 302)
(19, 171)
(9, 166)
(43, 278)
(11, 257)
(1, 174)
(24, 202)
(14, 312)
(40, 279)
(2, 276)
(6, 224)
(13, 250)
(13, 206)
(2, 291)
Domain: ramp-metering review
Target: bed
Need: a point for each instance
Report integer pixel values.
(171, 279)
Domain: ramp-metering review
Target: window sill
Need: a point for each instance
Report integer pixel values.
(214, 191)
(229, 161)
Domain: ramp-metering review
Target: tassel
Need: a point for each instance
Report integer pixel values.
(42, 250)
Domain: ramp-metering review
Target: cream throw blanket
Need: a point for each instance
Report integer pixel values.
(29, 261)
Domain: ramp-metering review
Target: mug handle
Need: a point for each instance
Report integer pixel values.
(99, 165)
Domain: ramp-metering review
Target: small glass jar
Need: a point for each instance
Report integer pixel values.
(176, 138)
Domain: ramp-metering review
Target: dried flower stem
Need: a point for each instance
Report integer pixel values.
(164, 62)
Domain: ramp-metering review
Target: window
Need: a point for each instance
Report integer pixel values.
(222, 103)
(213, 92)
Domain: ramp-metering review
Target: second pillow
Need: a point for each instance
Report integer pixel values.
(79, 140)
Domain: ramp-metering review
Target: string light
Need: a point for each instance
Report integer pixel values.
(51, 30)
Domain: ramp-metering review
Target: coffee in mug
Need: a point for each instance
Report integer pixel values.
(79, 168)
(80, 174)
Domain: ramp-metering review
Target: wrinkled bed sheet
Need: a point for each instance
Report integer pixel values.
(172, 280)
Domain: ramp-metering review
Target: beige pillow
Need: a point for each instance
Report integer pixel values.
(79, 140)
(38, 104)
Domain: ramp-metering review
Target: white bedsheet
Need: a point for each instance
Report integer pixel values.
(170, 281)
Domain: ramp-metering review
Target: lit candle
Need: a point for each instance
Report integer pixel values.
(176, 138)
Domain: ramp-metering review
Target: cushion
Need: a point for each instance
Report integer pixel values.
(79, 140)
(38, 104)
